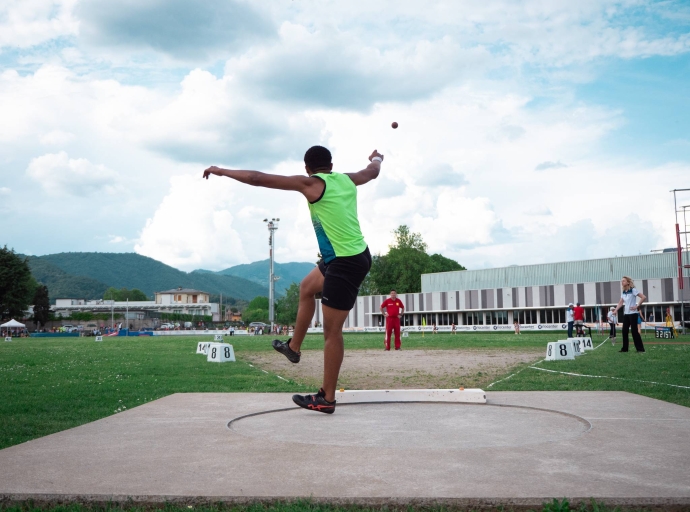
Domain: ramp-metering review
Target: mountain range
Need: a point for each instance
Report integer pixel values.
(87, 275)
(257, 272)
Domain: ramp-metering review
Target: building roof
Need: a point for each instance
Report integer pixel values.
(644, 266)
(183, 290)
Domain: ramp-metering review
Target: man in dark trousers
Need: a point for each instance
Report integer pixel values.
(332, 201)
(393, 309)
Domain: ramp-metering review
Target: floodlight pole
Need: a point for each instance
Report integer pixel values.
(272, 227)
(681, 284)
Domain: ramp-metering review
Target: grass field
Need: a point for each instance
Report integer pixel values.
(307, 506)
(50, 385)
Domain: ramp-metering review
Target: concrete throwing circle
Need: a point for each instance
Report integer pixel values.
(425, 425)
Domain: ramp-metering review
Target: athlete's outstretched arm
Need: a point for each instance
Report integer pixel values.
(310, 188)
(370, 173)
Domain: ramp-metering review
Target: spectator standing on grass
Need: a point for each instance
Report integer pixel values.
(579, 319)
(612, 324)
(631, 299)
(570, 319)
(452, 328)
(392, 309)
(516, 326)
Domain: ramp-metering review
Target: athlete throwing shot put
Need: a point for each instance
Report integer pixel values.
(345, 255)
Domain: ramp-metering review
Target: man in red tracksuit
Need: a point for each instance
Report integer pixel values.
(392, 308)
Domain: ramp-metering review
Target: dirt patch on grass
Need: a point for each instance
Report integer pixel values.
(376, 369)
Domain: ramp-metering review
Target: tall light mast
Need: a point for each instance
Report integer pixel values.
(272, 227)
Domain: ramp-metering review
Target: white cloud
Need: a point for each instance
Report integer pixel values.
(25, 23)
(443, 175)
(208, 120)
(550, 165)
(117, 239)
(58, 174)
(4, 191)
(484, 94)
(57, 138)
(194, 226)
(538, 211)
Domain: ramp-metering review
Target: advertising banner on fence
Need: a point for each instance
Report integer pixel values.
(448, 328)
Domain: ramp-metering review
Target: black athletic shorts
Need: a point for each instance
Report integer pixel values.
(342, 279)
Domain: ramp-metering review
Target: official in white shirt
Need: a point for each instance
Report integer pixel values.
(631, 298)
(612, 324)
(570, 318)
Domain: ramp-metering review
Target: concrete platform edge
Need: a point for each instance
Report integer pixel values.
(673, 504)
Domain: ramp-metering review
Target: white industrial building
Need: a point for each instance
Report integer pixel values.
(534, 294)
(180, 300)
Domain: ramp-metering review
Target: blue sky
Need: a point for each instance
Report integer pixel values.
(529, 131)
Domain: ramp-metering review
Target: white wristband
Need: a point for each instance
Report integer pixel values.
(377, 158)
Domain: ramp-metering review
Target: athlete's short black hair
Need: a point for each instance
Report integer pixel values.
(393, 290)
(317, 157)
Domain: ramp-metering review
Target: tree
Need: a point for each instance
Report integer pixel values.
(438, 263)
(401, 269)
(42, 312)
(286, 306)
(404, 239)
(17, 285)
(255, 315)
(258, 303)
(124, 294)
(257, 310)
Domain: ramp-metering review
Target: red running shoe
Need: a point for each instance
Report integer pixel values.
(315, 402)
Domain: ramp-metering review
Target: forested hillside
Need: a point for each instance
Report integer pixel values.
(88, 275)
(63, 285)
(257, 271)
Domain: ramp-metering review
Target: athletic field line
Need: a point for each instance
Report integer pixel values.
(600, 344)
(514, 374)
(607, 377)
(281, 378)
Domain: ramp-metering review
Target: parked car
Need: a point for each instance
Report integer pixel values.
(68, 328)
(258, 324)
(167, 327)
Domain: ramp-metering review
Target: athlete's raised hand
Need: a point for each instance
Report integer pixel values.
(375, 153)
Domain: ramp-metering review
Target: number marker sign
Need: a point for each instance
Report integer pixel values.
(220, 353)
(560, 350)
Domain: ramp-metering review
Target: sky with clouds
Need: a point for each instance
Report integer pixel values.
(529, 131)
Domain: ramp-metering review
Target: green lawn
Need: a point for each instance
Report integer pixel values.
(50, 385)
(663, 364)
(305, 506)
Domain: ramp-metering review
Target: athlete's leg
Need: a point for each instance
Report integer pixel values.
(637, 339)
(333, 349)
(396, 329)
(389, 331)
(308, 288)
(626, 329)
